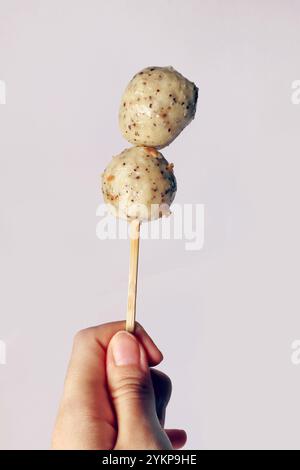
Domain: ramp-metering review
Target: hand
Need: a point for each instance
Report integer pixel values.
(112, 399)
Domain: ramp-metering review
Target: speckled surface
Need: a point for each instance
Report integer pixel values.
(156, 106)
(139, 183)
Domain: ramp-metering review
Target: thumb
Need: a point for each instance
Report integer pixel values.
(132, 394)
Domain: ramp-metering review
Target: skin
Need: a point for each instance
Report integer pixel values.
(112, 397)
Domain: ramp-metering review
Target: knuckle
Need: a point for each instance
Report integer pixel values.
(82, 336)
(132, 387)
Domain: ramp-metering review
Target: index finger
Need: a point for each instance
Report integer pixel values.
(85, 384)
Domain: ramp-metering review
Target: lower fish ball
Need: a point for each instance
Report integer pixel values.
(139, 183)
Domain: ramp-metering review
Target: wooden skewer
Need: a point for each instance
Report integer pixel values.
(133, 275)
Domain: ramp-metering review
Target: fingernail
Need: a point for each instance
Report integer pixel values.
(125, 349)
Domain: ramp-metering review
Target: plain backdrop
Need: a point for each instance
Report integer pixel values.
(225, 316)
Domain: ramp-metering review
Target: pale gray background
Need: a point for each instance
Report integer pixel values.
(225, 316)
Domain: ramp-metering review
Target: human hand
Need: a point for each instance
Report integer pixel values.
(112, 399)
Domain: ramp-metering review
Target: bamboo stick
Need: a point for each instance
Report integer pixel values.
(133, 275)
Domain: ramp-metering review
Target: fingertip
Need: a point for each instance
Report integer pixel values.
(125, 349)
(103, 334)
(155, 356)
(178, 437)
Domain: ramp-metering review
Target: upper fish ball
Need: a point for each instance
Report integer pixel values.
(156, 106)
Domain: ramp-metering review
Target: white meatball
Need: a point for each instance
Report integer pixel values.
(156, 106)
(139, 184)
